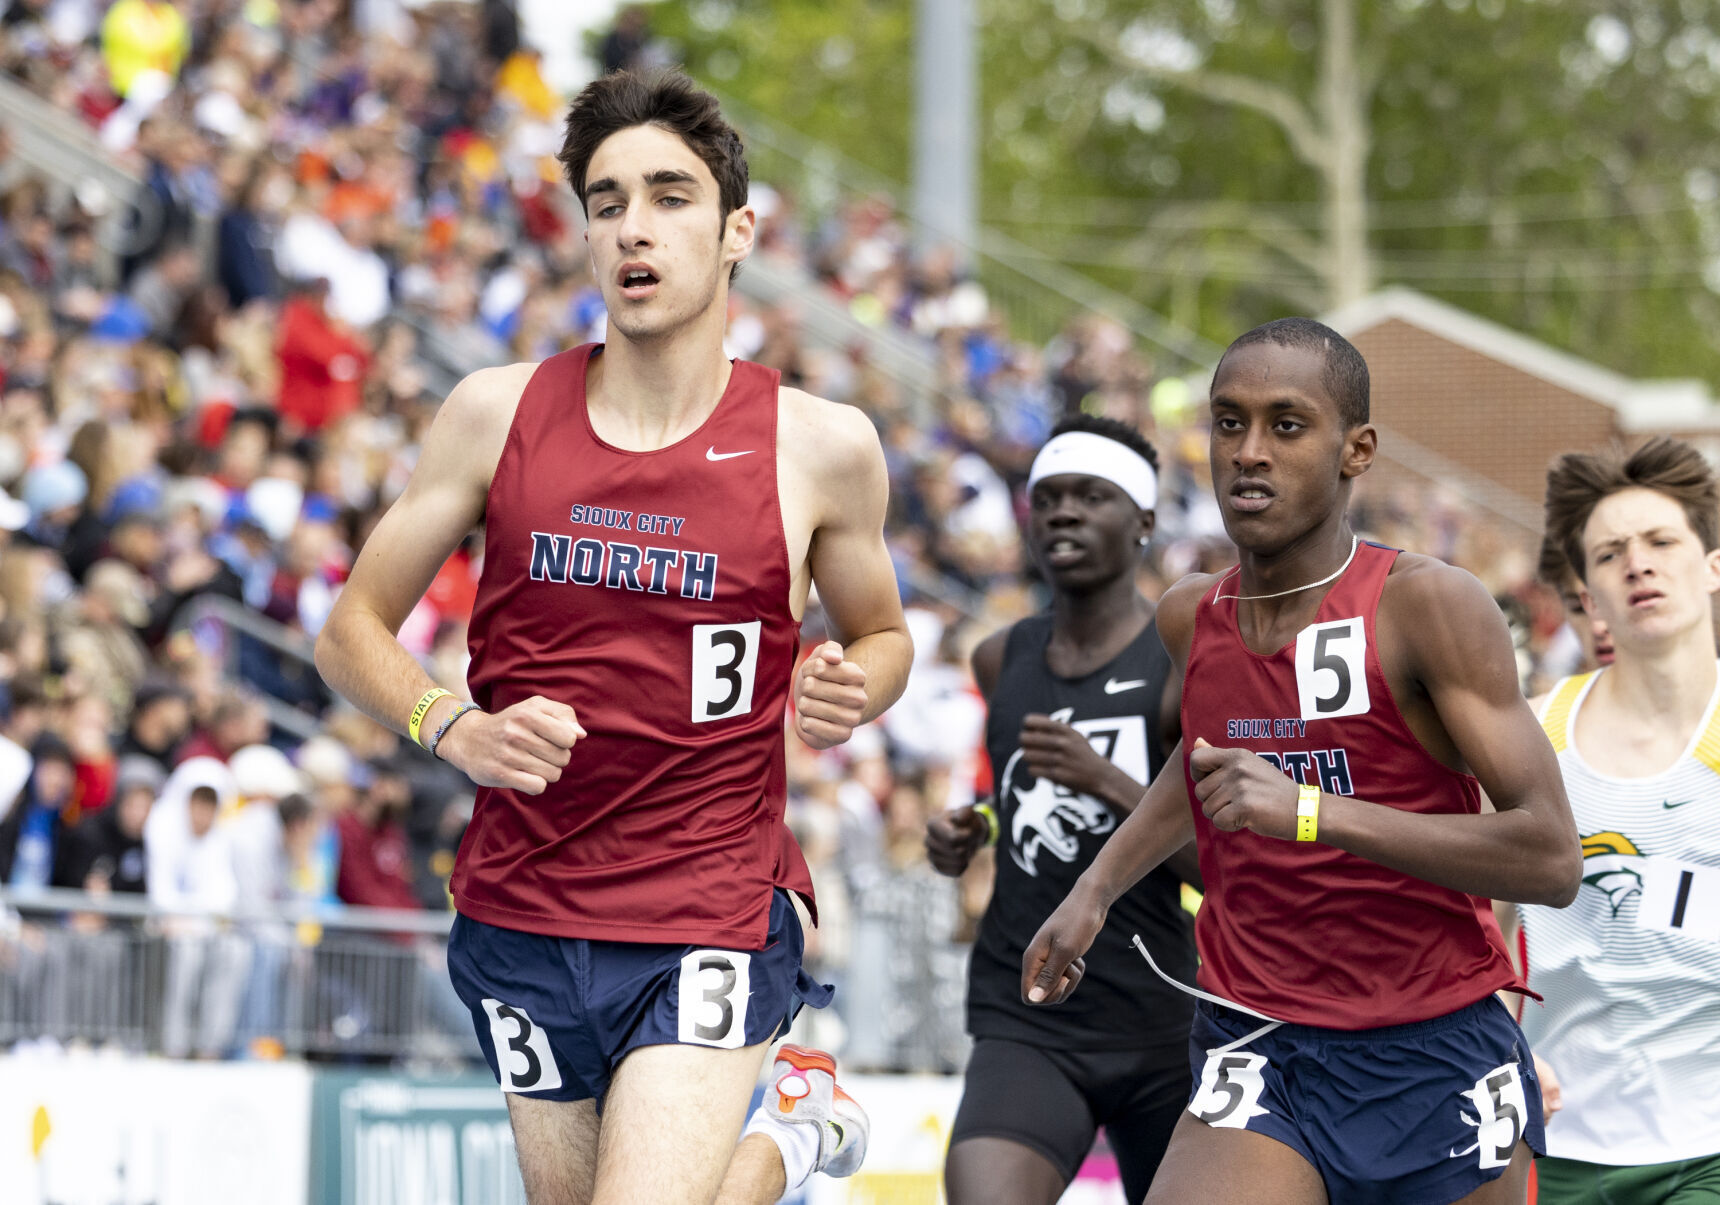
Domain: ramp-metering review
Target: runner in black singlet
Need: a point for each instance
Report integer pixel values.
(1082, 706)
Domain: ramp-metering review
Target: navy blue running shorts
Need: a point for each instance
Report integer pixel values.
(556, 1015)
(1419, 1114)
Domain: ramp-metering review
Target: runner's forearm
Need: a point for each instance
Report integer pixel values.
(364, 662)
(1510, 855)
(885, 656)
(1159, 825)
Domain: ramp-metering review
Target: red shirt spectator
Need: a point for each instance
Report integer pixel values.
(375, 867)
(322, 364)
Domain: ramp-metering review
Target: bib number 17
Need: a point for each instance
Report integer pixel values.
(725, 656)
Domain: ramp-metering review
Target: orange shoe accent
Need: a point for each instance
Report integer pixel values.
(802, 1059)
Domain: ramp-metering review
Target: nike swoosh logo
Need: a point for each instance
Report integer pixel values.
(1669, 805)
(711, 453)
(1114, 687)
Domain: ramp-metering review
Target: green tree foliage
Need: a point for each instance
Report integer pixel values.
(1547, 163)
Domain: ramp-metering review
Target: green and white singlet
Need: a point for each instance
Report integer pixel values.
(1631, 970)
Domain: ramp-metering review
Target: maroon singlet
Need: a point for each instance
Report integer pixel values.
(1301, 931)
(649, 590)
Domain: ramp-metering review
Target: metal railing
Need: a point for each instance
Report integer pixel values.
(221, 627)
(64, 151)
(118, 971)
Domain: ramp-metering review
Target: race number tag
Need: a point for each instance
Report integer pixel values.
(724, 657)
(712, 1007)
(1680, 897)
(1501, 1113)
(1332, 669)
(523, 1058)
(1230, 1088)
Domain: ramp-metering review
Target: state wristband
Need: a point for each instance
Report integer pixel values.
(1307, 813)
(991, 826)
(420, 709)
(448, 723)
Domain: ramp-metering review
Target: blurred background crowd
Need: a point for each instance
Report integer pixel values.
(207, 401)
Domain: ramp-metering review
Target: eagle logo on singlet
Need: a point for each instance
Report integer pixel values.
(1611, 865)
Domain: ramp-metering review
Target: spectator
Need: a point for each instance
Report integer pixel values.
(375, 866)
(312, 854)
(105, 852)
(255, 833)
(322, 363)
(244, 257)
(161, 289)
(236, 718)
(623, 47)
(159, 722)
(143, 35)
(190, 874)
(32, 834)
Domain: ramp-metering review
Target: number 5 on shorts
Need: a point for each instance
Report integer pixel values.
(523, 1057)
(1499, 1101)
(1230, 1088)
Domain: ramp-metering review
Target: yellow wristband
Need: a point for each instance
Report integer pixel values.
(1307, 813)
(422, 709)
(990, 814)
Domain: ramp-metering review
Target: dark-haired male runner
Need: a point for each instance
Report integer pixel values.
(654, 517)
(1343, 707)
(1082, 709)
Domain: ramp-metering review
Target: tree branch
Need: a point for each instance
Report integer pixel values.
(1291, 115)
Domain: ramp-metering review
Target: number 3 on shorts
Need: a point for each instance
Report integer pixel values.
(1230, 1088)
(523, 1057)
(712, 1006)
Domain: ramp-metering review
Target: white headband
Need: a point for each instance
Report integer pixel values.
(1098, 456)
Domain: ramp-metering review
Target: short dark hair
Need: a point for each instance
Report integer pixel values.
(1579, 481)
(205, 795)
(294, 809)
(1346, 375)
(1110, 428)
(664, 98)
(1552, 566)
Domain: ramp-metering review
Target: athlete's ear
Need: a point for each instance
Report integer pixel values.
(739, 230)
(1360, 444)
(1148, 519)
(1712, 563)
(1587, 599)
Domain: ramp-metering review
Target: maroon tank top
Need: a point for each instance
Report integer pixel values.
(1304, 932)
(650, 591)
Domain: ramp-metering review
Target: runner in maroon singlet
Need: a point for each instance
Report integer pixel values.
(655, 517)
(1344, 706)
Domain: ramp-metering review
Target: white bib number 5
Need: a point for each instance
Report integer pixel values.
(1332, 669)
(724, 658)
(1230, 1088)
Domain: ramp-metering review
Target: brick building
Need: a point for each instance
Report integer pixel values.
(1483, 410)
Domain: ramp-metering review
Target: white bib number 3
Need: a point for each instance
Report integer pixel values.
(724, 658)
(1230, 1088)
(523, 1057)
(712, 1006)
(1332, 669)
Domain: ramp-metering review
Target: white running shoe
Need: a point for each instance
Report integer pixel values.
(804, 1092)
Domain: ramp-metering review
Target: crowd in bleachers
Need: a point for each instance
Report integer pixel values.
(217, 393)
